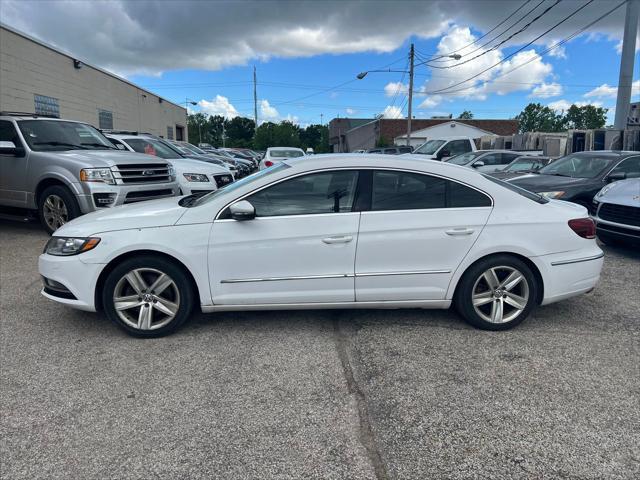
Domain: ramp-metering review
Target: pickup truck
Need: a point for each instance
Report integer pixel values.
(63, 169)
(443, 148)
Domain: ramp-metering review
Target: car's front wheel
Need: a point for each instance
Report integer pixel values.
(497, 293)
(148, 296)
(57, 206)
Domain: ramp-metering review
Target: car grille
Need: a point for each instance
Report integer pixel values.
(620, 214)
(222, 180)
(142, 173)
(147, 195)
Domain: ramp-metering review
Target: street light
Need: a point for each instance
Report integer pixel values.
(186, 102)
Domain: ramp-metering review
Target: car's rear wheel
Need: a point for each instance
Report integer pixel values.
(57, 206)
(497, 293)
(148, 296)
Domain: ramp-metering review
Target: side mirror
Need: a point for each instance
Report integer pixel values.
(119, 146)
(478, 164)
(443, 153)
(614, 177)
(242, 210)
(9, 148)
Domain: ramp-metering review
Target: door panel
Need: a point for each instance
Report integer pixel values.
(269, 260)
(411, 255)
(13, 170)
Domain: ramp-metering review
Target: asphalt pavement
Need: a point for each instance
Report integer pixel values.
(354, 394)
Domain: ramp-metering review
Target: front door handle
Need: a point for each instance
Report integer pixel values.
(341, 239)
(459, 231)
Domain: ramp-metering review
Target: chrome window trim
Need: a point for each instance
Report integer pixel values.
(320, 170)
(410, 272)
(577, 260)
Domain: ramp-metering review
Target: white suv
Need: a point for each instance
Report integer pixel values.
(194, 176)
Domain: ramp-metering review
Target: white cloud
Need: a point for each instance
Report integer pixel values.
(218, 106)
(392, 112)
(351, 111)
(267, 112)
(563, 105)
(392, 89)
(547, 90)
(431, 101)
(607, 91)
(156, 36)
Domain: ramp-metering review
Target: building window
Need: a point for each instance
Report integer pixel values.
(105, 119)
(170, 132)
(46, 106)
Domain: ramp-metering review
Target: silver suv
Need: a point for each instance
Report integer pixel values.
(64, 169)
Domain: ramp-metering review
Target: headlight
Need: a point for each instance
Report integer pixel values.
(557, 194)
(171, 170)
(195, 177)
(604, 190)
(65, 246)
(97, 175)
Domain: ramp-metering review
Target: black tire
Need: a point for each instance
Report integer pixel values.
(51, 218)
(473, 279)
(180, 293)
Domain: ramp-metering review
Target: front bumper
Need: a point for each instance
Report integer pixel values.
(79, 279)
(628, 233)
(96, 195)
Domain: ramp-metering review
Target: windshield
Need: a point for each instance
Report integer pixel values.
(151, 146)
(188, 148)
(240, 183)
(464, 159)
(54, 135)
(286, 153)
(430, 147)
(521, 191)
(578, 166)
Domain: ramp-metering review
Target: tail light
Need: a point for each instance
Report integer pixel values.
(268, 163)
(584, 227)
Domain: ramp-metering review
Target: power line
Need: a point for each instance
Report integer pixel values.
(443, 90)
(457, 64)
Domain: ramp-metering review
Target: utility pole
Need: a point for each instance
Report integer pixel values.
(255, 99)
(411, 57)
(626, 64)
(321, 115)
(224, 135)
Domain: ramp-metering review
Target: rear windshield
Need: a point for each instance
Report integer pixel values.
(286, 153)
(521, 191)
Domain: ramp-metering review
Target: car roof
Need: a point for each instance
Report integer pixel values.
(606, 153)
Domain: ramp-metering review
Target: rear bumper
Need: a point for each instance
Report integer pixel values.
(569, 274)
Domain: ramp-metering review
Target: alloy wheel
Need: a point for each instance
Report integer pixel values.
(146, 299)
(500, 294)
(55, 212)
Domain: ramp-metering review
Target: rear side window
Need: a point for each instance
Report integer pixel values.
(393, 190)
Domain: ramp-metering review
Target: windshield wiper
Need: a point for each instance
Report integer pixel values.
(61, 144)
(99, 145)
(560, 175)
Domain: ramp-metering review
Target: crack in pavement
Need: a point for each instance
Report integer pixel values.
(365, 433)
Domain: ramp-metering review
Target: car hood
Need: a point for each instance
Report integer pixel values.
(625, 192)
(542, 183)
(507, 175)
(189, 165)
(105, 158)
(147, 214)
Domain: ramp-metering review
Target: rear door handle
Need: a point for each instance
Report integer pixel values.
(341, 239)
(459, 231)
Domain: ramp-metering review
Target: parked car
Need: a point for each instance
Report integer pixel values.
(487, 161)
(391, 150)
(579, 176)
(244, 166)
(309, 151)
(617, 212)
(63, 169)
(191, 151)
(274, 155)
(443, 148)
(237, 153)
(194, 176)
(522, 165)
(285, 238)
(359, 151)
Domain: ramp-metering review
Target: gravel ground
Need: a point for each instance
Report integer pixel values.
(345, 394)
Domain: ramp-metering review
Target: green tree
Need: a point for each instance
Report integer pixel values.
(239, 132)
(265, 135)
(539, 118)
(316, 137)
(585, 117)
(466, 115)
(382, 142)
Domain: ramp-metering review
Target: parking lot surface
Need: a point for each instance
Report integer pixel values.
(319, 394)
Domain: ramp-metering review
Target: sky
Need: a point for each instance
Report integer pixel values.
(307, 53)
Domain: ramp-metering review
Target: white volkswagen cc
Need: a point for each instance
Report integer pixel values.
(334, 231)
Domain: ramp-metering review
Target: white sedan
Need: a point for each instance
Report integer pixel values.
(337, 231)
(274, 155)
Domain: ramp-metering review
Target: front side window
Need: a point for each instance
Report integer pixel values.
(491, 159)
(151, 147)
(630, 167)
(326, 192)
(464, 159)
(456, 147)
(8, 133)
(55, 135)
(394, 190)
